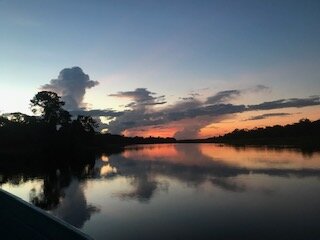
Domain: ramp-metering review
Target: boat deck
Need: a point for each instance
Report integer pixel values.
(21, 220)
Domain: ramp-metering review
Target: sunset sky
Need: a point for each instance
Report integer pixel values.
(165, 68)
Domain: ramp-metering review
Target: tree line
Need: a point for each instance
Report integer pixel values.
(302, 133)
(52, 126)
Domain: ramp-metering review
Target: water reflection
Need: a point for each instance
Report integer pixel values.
(209, 154)
(181, 191)
(196, 163)
(59, 189)
(73, 206)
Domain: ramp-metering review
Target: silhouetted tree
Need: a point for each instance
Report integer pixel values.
(4, 121)
(87, 123)
(49, 106)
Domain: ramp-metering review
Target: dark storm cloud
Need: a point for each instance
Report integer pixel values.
(267, 115)
(71, 85)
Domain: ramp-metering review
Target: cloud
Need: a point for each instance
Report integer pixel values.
(141, 168)
(228, 95)
(141, 111)
(191, 127)
(195, 114)
(71, 85)
(228, 184)
(140, 97)
(140, 116)
(190, 112)
(202, 116)
(267, 115)
(144, 189)
(186, 98)
(223, 96)
(98, 113)
(73, 207)
(259, 88)
(287, 103)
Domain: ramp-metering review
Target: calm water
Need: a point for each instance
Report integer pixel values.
(184, 191)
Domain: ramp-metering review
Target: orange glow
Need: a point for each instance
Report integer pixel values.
(239, 121)
(163, 131)
(259, 158)
(105, 158)
(213, 154)
(107, 169)
(171, 153)
(152, 152)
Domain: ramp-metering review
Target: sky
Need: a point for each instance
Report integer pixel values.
(165, 68)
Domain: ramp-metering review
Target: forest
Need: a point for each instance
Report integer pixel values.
(304, 133)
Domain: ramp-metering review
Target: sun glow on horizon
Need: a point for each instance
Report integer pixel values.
(240, 121)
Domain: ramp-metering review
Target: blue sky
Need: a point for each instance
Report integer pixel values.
(169, 47)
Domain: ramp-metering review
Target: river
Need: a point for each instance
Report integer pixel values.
(183, 191)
